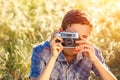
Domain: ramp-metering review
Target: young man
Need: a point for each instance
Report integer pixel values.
(51, 61)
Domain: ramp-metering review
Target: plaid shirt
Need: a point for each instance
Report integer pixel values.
(79, 69)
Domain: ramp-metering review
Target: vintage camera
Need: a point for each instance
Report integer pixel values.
(69, 39)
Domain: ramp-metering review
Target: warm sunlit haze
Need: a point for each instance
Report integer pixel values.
(26, 23)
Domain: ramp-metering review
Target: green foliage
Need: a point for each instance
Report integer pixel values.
(25, 23)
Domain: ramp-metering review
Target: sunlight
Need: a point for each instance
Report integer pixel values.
(24, 23)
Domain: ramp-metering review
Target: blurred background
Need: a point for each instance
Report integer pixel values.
(26, 23)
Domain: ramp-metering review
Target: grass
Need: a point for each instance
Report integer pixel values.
(25, 23)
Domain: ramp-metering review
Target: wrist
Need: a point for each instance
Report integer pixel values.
(54, 54)
(53, 57)
(94, 60)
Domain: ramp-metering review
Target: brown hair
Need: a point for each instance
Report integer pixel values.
(74, 16)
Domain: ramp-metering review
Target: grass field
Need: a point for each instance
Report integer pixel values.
(26, 23)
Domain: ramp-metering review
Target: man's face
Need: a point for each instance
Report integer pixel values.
(83, 31)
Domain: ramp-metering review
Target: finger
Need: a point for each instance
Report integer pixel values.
(85, 50)
(86, 46)
(84, 37)
(54, 32)
(54, 44)
(82, 46)
(58, 47)
(83, 42)
(79, 47)
(58, 39)
(80, 42)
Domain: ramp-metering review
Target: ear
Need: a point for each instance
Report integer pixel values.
(60, 29)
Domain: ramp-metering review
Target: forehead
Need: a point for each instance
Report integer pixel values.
(79, 28)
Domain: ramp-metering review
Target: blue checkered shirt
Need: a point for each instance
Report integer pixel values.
(79, 69)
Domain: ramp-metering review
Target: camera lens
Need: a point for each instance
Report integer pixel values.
(68, 42)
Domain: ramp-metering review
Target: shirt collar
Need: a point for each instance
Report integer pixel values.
(62, 58)
(79, 56)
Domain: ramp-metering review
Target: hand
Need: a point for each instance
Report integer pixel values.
(56, 47)
(87, 48)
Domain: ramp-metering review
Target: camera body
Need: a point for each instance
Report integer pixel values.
(69, 39)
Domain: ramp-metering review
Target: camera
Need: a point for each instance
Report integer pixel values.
(69, 39)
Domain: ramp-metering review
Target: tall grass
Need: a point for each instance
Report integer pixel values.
(25, 23)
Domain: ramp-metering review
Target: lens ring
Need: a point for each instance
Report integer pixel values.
(69, 42)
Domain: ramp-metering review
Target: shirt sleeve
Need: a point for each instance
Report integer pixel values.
(100, 57)
(37, 63)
